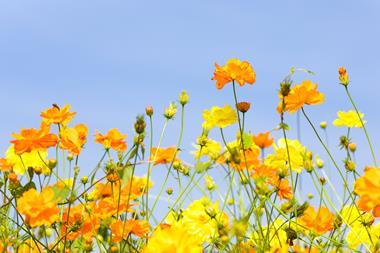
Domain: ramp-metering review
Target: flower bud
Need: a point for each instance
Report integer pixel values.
(243, 106)
(343, 76)
(323, 124)
(70, 157)
(170, 111)
(349, 165)
(52, 163)
(13, 178)
(37, 170)
(319, 162)
(352, 147)
(140, 124)
(183, 98)
(149, 111)
(169, 191)
(84, 180)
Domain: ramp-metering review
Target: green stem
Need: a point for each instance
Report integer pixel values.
(362, 123)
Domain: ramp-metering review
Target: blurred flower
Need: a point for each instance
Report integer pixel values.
(113, 139)
(243, 106)
(79, 221)
(367, 187)
(279, 159)
(210, 148)
(209, 182)
(263, 140)
(39, 208)
(219, 117)
(170, 111)
(349, 119)
(33, 159)
(5, 165)
(302, 94)
(234, 70)
(122, 229)
(174, 238)
(284, 190)
(163, 155)
(34, 139)
(203, 219)
(343, 76)
(73, 139)
(56, 115)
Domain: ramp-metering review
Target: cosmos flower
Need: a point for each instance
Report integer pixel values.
(57, 115)
(234, 70)
(34, 139)
(367, 187)
(163, 155)
(220, 117)
(73, 139)
(349, 119)
(263, 140)
(39, 208)
(302, 94)
(317, 221)
(113, 139)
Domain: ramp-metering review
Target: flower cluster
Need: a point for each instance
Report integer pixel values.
(246, 192)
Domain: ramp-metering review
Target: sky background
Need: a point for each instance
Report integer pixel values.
(110, 59)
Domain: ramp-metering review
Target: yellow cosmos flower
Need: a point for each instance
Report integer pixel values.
(279, 159)
(349, 119)
(202, 218)
(173, 239)
(360, 234)
(210, 148)
(219, 117)
(26, 160)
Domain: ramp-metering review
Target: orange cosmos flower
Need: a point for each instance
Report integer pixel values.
(56, 115)
(265, 173)
(73, 139)
(113, 139)
(79, 222)
(263, 140)
(33, 139)
(5, 165)
(302, 94)
(163, 155)
(318, 221)
(121, 230)
(284, 190)
(39, 208)
(248, 160)
(234, 70)
(368, 189)
(108, 207)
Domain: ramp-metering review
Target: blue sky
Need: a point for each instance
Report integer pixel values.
(109, 59)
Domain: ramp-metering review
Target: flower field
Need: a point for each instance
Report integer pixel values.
(50, 203)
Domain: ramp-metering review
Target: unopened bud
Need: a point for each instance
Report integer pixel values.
(84, 180)
(183, 98)
(52, 163)
(323, 124)
(149, 111)
(352, 147)
(169, 191)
